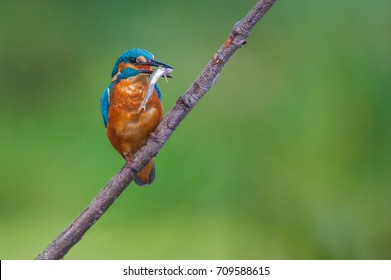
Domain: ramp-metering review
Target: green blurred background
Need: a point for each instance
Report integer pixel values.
(287, 156)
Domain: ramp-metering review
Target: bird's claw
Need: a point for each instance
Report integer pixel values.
(155, 138)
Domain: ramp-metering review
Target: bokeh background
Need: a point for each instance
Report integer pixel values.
(287, 157)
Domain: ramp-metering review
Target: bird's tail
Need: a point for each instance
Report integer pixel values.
(147, 175)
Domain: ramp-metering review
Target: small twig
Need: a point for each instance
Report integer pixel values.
(208, 77)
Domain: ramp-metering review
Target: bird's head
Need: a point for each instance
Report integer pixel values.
(137, 59)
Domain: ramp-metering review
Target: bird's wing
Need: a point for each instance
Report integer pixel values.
(104, 105)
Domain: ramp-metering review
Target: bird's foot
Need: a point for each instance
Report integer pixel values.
(155, 138)
(129, 161)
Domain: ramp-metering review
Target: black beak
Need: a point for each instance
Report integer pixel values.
(145, 71)
(149, 72)
(152, 62)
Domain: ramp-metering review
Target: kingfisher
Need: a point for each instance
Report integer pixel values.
(131, 106)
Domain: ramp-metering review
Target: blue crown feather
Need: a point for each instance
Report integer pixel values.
(128, 55)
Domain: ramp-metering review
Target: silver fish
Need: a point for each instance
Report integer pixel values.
(153, 79)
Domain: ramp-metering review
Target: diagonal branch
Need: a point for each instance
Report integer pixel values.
(208, 77)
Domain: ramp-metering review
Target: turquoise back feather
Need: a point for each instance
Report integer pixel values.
(104, 105)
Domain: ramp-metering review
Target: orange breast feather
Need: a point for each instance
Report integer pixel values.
(128, 129)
